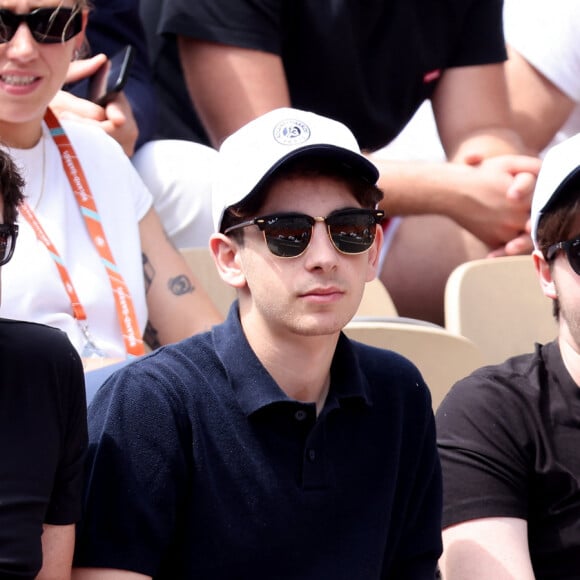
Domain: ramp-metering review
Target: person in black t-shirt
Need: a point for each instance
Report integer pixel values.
(43, 431)
(509, 434)
(219, 63)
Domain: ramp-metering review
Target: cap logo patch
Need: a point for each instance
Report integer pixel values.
(291, 132)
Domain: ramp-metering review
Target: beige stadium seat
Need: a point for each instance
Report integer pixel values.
(498, 304)
(376, 301)
(442, 357)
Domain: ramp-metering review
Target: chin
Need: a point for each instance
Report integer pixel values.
(321, 325)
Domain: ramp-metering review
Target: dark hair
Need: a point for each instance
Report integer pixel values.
(367, 194)
(11, 187)
(557, 223)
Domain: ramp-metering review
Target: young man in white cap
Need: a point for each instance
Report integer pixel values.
(509, 434)
(272, 446)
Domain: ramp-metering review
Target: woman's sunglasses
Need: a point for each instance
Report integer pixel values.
(287, 235)
(572, 249)
(47, 25)
(8, 235)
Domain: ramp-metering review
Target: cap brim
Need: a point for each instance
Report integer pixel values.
(352, 161)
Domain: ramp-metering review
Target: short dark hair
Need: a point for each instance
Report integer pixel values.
(367, 194)
(556, 223)
(11, 187)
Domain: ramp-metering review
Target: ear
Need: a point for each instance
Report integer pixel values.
(225, 252)
(545, 275)
(374, 255)
(81, 39)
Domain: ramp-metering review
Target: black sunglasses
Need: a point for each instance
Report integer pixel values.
(287, 235)
(572, 249)
(47, 25)
(8, 235)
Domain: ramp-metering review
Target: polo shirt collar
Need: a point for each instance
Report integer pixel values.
(254, 386)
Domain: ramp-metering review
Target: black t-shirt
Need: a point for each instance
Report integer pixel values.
(367, 63)
(509, 441)
(43, 440)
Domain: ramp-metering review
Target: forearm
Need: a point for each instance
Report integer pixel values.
(490, 199)
(177, 304)
(230, 86)
(417, 187)
(57, 552)
(487, 548)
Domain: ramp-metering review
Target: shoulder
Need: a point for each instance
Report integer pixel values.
(518, 377)
(41, 361)
(92, 140)
(172, 373)
(391, 375)
(33, 339)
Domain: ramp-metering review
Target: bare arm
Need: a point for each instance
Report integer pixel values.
(230, 86)
(57, 552)
(105, 574)
(178, 305)
(487, 548)
(488, 186)
(540, 107)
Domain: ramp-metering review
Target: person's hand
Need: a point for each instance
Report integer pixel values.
(496, 201)
(116, 118)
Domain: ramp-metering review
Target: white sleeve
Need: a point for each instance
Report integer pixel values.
(546, 35)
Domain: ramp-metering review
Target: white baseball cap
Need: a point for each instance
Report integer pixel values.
(260, 148)
(559, 167)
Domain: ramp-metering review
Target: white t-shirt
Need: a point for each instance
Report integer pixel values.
(546, 35)
(31, 286)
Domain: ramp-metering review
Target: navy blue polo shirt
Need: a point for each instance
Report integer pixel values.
(201, 467)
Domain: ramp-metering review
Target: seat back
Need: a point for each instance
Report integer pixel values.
(442, 357)
(376, 301)
(203, 267)
(498, 304)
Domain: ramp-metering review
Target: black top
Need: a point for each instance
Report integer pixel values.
(201, 467)
(367, 63)
(43, 439)
(509, 440)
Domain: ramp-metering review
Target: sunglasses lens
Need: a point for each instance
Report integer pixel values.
(47, 25)
(352, 233)
(8, 25)
(287, 236)
(50, 25)
(573, 253)
(7, 239)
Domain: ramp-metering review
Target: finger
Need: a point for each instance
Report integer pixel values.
(522, 187)
(521, 245)
(523, 164)
(497, 253)
(80, 69)
(78, 106)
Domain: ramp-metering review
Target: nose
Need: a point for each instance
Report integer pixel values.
(22, 45)
(321, 253)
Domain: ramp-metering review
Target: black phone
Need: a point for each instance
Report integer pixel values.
(111, 77)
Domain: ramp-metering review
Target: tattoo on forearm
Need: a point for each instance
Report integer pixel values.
(180, 285)
(148, 272)
(151, 336)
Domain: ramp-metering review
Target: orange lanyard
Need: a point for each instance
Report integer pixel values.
(80, 187)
